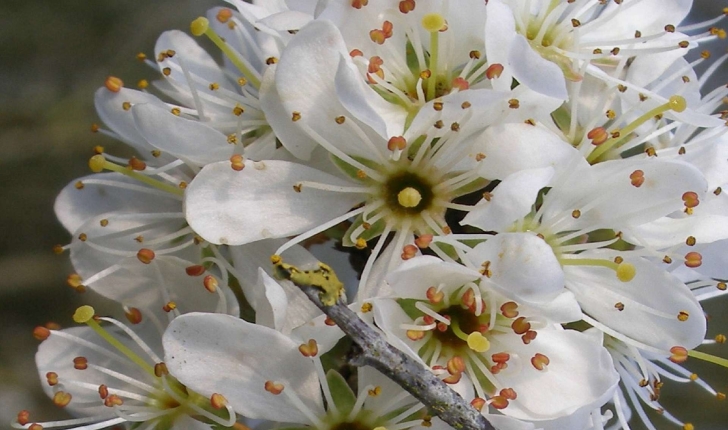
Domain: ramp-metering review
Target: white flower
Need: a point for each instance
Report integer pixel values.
(109, 373)
(545, 44)
(267, 375)
(621, 292)
(527, 368)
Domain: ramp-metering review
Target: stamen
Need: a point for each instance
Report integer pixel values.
(97, 163)
(201, 26)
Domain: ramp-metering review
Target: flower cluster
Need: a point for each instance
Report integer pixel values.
(535, 187)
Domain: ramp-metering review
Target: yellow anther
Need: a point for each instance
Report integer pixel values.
(678, 103)
(477, 342)
(199, 26)
(83, 314)
(626, 272)
(433, 22)
(275, 259)
(409, 197)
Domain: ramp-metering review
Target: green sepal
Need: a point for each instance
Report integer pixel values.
(342, 394)
(408, 306)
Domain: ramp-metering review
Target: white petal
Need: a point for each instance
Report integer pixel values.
(187, 139)
(272, 302)
(652, 291)
(109, 192)
(415, 276)
(523, 267)
(534, 71)
(580, 375)
(512, 200)
(500, 30)
(213, 353)
(509, 148)
(666, 232)
(236, 207)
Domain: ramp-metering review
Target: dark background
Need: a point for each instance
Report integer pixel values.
(53, 56)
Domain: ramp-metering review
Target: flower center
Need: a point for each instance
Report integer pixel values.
(407, 193)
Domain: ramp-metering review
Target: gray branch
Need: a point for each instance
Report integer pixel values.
(376, 352)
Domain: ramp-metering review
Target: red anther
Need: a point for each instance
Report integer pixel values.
(52, 378)
(134, 315)
(113, 400)
(375, 64)
(407, 6)
(137, 164)
(237, 162)
(50, 325)
(693, 259)
(387, 28)
(62, 399)
(355, 53)
(408, 252)
(103, 391)
(218, 401)
(637, 178)
(509, 309)
(528, 337)
(540, 361)
(441, 326)
(274, 387)
(80, 363)
(210, 283)
(427, 319)
(468, 299)
(145, 255)
(224, 15)
(309, 349)
(679, 354)
(453, 379)
(483, 327)
(396, 143)
(598, 136)
(499, 402)
(456, 365)
(493, 71)
(41, 333)
(500, 357)
(424, 241)
(358, 4)
(520, 325)
(329, 322)
(509, 393)
(460, 83)
(378, 36)
(690, 199)
(478, 403)
(434, 296)
(195, 270)
(23, 417)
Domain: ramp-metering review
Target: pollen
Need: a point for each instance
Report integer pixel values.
(477, 342)
(626, 272)
(433, 22)
(409, 197)
(83, 314)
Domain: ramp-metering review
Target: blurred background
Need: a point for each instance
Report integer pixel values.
(55, 54)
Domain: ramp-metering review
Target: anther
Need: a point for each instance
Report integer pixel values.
(424, 241)
(679, 354)
(477, 342)
(145, 255)
(576, 213)
(41, 333)
(295, 116)
(224, 14)
(160, 369)
(169, 306)
(309, 349)
(514, 104)
(396, 143)
(406, 6)
(478, 403)
(408, 251)
(434, 296)
(690, 241)
(210, 283)
(693, 259)
(683, 316)
(80, 363)
(688, 426)
(720, 396)
(374, 392)
(360, 243)
(237, 162)
(113, 84)
(366, 307)
(195, 270)
(498, 402)
(540, 361)
(62, 399)
(721, 286)
(637, 178)
(23, 417)
(133, 315)
(113, 400)
(74, 280)
(414, 335)
(52, 378)
(520, 325)
(329, 322)
(509, 393)
(275, 388)
(619, 306)
(494, 71)
(218, 401)
(137, 164)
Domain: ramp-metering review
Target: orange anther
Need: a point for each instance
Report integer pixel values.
(460, 83)
(23, 417)
(218, 401)
(396, 143)
(690, 199)
(693, 259)
(52, 378)
(520, 325)
(137, 164)
(329, 322)
(358, 4)
(309, 349)
(540, 361)
(195, 270)
(509, 393)
(434, 296)
(509, 309)
(237, 162)
(493, 71)
(274, 387)
(210, 283)
(455, 365)
(499, 402)
(224, 14)
(415, 335)
(62, 399)
(134, 315)
(407, 6)
(679, 354)
(598, 136)
(145, 255)
(169, 307)
(80, 363)
(500, 357)
(103, 391)
(113, 84)
(355, 53)
(637, 178)
(113, 400)
(408, 252)
(41, 333)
